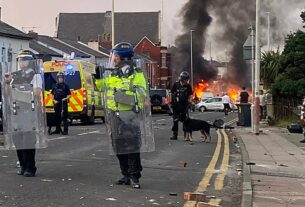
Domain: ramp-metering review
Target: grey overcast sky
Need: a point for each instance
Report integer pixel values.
(42, 13)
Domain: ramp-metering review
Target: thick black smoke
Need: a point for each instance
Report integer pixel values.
(233, 20)
(195, 17)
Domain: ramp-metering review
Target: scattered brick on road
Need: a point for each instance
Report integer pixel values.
(182, 164)
(199, 197)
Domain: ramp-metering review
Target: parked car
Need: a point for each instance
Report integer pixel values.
(160, 101)
(213, 104)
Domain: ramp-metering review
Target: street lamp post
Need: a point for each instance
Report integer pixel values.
(112, 23)
(257, 69)
(268, 32)
(253, 75)
(192, 76)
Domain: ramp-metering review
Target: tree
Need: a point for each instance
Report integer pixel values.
(270, 67)
(292, 63)
(303, 17)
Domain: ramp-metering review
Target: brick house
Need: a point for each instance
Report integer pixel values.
(157, 70)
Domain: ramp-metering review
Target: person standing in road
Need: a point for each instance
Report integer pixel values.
(262, 104)
(226, 103)
(60, 96)
(244, 96)
(182, 94)
(126, 91)
(24, 139)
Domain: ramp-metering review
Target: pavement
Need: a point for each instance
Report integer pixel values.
(274, 168)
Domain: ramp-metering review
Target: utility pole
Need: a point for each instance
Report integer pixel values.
(112, 23)
(257, 69)
(253, 75)
(268, 39)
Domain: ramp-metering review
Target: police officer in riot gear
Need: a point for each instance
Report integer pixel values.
(60, 95)
(24, 141)
(123, 90)
(181, 99)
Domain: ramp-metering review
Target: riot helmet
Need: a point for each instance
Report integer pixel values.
(60, 77)
(184, 76)
(121, 52)
(25, 59)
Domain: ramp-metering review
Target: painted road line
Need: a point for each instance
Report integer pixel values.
(82, 134)
(95, 132)
(215, 201)
(211, 168)
(225, 163)
(58, 138)
(208, 173)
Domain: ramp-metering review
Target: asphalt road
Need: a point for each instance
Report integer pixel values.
(77, 170)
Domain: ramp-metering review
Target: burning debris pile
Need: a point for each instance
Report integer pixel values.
(217, 88)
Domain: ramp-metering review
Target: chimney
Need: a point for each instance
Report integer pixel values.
(33, 34)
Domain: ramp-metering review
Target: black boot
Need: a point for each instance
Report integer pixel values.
(123, 181)
(135, 183)
(65, 132)
(29, 174)
(57, 130)
(303, 140)
(175, 136)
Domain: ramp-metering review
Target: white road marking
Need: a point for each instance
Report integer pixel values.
(58, 138)
(83, 134)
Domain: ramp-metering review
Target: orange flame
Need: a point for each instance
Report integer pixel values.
(200, 88)
(233, 94)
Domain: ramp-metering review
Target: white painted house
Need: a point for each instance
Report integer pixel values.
(11, 42)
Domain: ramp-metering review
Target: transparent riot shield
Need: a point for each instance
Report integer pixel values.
(128, 111)
(23, 105)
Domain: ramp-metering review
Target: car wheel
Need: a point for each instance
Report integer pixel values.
(202, 109)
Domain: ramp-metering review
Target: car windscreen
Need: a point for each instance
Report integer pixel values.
(71, 79)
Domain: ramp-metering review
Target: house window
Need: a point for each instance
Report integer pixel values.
(163, 60)
(3, 54)
(9, 55)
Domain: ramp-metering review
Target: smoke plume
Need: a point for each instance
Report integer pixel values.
(229, 31)
(195, 17)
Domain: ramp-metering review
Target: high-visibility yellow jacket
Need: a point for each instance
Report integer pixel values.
(115, 82)
(99, 83)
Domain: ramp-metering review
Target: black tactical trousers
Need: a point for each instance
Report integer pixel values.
(26, 159)
(130, 165)
(180, 113)
(61, 114)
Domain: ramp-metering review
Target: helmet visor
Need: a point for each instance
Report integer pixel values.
(114, 60)
(25, 58)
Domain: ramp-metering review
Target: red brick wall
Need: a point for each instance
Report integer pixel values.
(155, 72)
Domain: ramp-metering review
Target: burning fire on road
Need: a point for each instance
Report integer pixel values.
(217, 88)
